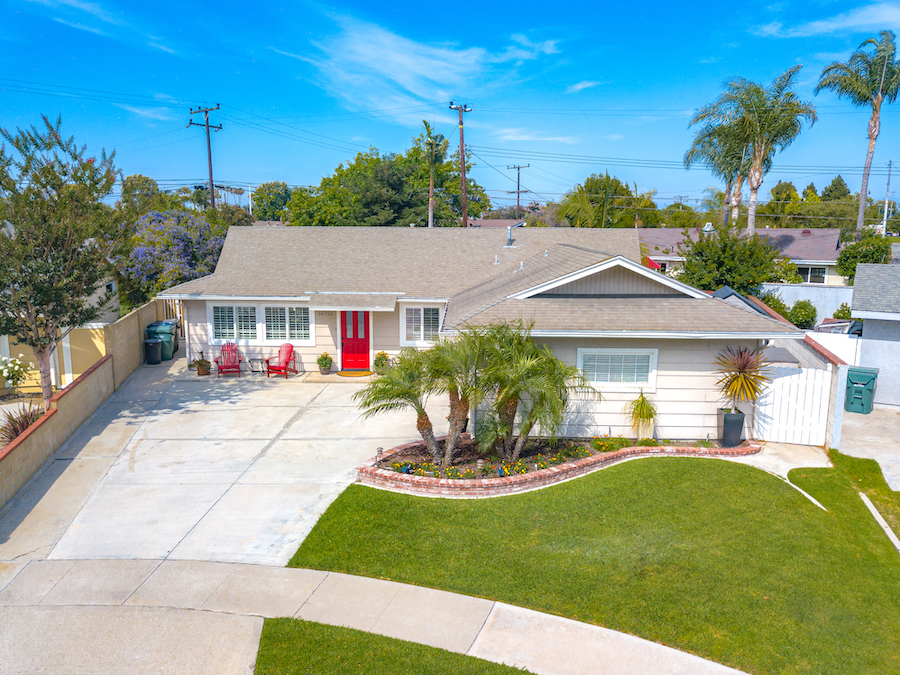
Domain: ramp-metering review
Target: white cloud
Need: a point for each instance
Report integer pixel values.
(149, 113)
(613, 137)
(526, 135)
(367, 65)
(81, 26)
(874, 17)
(91, 8)
(580, 86)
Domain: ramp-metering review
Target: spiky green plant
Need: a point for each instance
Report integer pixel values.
(641, 412)
(744, 374)
(17, 421)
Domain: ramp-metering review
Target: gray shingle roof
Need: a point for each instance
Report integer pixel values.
(794, 243)
(678, 314)
(876, 288)
(415, 262)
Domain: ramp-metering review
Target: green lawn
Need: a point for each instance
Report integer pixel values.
(292, 647)
(709, 556)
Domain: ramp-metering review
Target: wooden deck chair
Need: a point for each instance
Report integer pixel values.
(229, 361)
(283, 363)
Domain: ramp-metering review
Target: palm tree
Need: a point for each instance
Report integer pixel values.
(406, 384)
(725, 155)
(455, 366)
(765, 119)
(435, 151)
(580, 210)
(866, 79)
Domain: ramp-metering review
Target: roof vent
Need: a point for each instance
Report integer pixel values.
(522, 265)
(545, 253)
(806, 232)
(496, 258)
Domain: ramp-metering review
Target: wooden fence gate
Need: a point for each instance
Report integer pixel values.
(794, 407)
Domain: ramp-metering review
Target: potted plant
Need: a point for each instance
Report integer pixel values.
(324, 362)
(381, 361)
(641, 412)
(202, 366)
(744, 374)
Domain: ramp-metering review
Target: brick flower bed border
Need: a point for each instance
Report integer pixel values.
(476, 488)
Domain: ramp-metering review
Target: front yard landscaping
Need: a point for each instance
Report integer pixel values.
(292, 647)
(711, 557)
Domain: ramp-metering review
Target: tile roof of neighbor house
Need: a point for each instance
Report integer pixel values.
(877, 288)
(290, 262)
(814, 244)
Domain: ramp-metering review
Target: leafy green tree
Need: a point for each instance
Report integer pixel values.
(594, 203)
(725, 258)
(270, 200)
(680, 215)
(872, 248)
(843, 312)
(784, 209)
(836, 190)
(867, 79)
(228, 215)
(766, 119)
(803, 314)
(774, 301)
(810, 194)
(56, 240)
(406, 384)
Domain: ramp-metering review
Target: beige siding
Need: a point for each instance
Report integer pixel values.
(686, 395)
(386, 332)
(616, 281)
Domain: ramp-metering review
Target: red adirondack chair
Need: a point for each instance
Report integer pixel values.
(229, 361)
(284, 362)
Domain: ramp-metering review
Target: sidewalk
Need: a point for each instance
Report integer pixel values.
(138, 616)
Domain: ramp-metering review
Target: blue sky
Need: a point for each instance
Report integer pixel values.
(570, 88)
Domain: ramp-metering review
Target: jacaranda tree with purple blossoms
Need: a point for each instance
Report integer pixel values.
(171, 247)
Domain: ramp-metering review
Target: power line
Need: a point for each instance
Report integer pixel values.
(206, 111)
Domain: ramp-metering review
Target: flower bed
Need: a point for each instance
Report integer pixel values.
(423, 480)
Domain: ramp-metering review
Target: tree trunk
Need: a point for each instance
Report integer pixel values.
(42, 356)
(508, 423)
(423, 425)
(874, 128)
(725, 207)
(521, 440)
(431, 198)
(459, 410)
(754, 180)
(737, 200)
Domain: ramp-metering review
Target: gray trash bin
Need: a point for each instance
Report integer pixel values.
(153, 351)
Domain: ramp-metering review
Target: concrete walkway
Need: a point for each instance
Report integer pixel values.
(140, 616)
(875, 436)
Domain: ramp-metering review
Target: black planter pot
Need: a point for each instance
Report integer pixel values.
(731, 425)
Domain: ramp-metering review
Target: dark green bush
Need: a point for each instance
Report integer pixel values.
(803, 314)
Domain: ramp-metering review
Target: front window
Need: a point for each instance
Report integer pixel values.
(256, 324)
(287, 323)
(619, 369)
(812, 275)
(246, 323)
(422, 324)
(223, 323)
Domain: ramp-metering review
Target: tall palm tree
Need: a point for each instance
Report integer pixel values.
(766, 119)
(866, 79)
(724, 153)
(580, 210)
(435, 151)
(406, 384)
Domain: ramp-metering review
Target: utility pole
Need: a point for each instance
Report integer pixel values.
(519, 190)
(206, 111)
(887, 195)
(462, 108)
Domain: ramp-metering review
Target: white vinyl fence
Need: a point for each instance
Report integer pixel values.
(794, 407)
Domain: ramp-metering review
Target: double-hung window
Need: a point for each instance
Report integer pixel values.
(421, 325)
(289, 324)
(234, 323)
(619, 369)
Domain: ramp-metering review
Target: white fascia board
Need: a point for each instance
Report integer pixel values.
(425, 301)
(667, 335)
(807, 263)
(880, 316)
(349, 308)
(616, 261)
(666, 258)
(233, 298)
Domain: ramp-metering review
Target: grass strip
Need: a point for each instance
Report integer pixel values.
(708, 556)
(295, 647)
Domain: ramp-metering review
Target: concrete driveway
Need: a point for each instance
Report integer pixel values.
(875, 436)
(174, 466)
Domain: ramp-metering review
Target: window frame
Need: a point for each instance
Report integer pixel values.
(404, 342)
(649, 387)
(809, 273)
(262, 339)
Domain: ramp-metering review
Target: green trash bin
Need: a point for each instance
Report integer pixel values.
(165, 332)
(860, 390)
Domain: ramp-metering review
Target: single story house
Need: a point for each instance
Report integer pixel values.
(813, 251)
(876, 300)
(628, 328)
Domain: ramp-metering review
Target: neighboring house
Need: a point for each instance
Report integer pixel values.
(590, 300)
(813, 251)
(876, 300)
(497, 222)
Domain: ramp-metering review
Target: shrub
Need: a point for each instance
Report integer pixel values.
(646, 442)
(488, 469)
(774, 301)
(607, 444)
(842, 312)
(17, 421)
(381, 360)
(510, 468)
(803, 314)
(14, 371)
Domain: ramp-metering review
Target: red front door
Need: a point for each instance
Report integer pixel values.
(354, 340)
